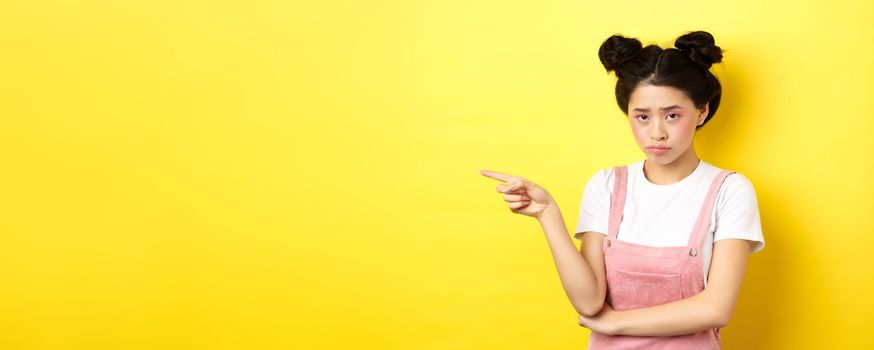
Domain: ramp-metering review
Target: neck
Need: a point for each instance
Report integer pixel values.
(666, 174)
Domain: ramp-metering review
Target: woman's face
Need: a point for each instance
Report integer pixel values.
(664, 117)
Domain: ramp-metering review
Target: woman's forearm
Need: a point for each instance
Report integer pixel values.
(711, 308)
(685, 316)
(575, 273)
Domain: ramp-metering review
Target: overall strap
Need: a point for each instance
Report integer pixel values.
(699, 231)
(617, 200)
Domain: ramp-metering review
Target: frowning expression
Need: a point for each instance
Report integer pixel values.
(663, 120)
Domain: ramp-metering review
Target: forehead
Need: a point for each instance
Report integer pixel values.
(647, 96)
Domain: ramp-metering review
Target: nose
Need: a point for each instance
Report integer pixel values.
(657, 132)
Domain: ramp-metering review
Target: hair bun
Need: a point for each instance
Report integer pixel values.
(617, 50)
(700, 47)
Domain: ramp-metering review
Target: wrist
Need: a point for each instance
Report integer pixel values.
(551, 211)
(615, 322)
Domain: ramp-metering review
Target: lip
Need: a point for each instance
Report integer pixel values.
(658, 150)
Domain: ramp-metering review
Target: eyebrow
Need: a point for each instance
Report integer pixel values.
(661, 109)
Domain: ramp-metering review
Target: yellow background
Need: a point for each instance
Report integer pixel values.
(278, 175)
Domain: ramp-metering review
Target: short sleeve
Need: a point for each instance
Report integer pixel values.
(594, 206)
(737, 213)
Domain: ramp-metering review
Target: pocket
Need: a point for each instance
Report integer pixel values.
(633, 289)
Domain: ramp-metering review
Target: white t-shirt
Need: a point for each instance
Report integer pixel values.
(663, 215)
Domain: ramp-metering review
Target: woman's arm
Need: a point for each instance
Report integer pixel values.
(711, 308)
(584, 282)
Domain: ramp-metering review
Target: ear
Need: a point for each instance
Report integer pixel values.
(704, 112)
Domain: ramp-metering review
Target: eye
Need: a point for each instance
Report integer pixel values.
(641, 116)
(674, 114)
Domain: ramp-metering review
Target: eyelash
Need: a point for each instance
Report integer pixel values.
(643, 115)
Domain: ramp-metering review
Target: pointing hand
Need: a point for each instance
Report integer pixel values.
(525, 197)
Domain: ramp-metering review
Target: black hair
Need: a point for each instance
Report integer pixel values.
(685, 67)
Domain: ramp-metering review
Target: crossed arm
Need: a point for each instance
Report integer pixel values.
(583, 278)
(711, 308)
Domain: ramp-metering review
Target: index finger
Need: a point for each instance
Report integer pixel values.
(497, 175)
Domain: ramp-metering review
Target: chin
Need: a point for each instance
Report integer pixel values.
(661, 160)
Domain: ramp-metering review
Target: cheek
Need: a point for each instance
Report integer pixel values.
(687, 125)
(688, 121)
(639, 132)
(684, 131)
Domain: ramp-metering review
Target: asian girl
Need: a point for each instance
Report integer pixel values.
(665, 240)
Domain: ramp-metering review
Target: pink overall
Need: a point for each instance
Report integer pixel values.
(641, 276)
